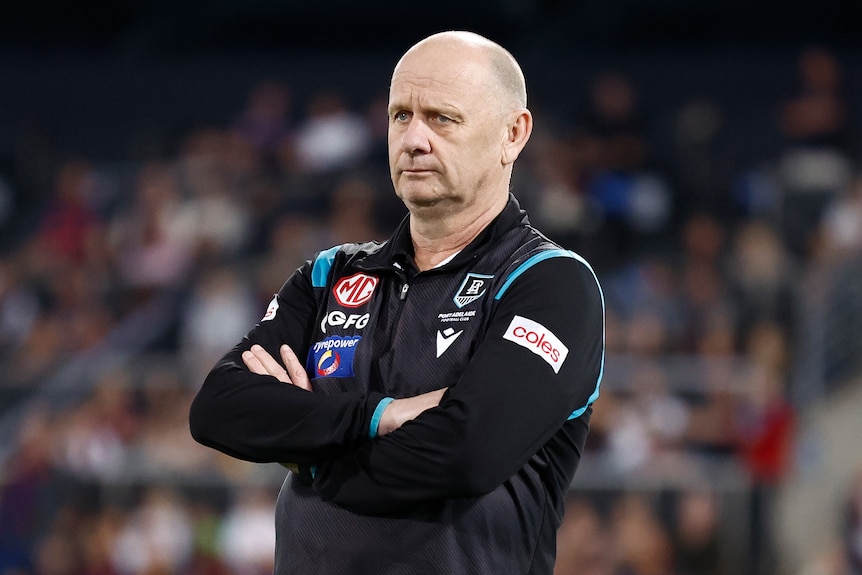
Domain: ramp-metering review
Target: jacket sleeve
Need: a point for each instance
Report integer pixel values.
(538, 366)
(258, 418)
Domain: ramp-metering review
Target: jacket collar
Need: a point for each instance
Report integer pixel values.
(398, 249)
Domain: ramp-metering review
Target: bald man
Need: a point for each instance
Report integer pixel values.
(431, 393)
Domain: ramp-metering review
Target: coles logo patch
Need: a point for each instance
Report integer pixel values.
(538, 339)
(332, 357)
(355, 290)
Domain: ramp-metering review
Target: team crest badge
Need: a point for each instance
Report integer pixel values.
(472, 288)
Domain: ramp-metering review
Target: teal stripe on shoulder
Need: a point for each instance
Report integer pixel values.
(322, 265)
(561, 253)
(531, 261)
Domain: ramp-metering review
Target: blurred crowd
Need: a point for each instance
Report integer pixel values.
(143, 273)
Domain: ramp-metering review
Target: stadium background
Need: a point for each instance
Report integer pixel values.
(164, 166)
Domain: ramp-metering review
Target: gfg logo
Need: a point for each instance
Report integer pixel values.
(340, 319)
(355, 290)
(538, 339)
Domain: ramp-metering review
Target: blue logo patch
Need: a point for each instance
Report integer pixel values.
(332, 357)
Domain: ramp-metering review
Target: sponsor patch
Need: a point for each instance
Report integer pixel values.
(355, 290)
(332, 357)
(538, 339)
(270, 311)
(340, 319)
(472, 288)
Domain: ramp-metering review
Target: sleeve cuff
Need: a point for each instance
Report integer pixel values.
(378, 413)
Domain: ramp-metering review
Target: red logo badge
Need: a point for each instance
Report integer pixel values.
(355, 290)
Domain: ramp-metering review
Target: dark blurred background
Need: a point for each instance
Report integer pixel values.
(164, 166)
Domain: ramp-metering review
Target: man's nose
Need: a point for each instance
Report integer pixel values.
(416, 137)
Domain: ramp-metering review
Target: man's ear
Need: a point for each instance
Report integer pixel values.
(518, 132)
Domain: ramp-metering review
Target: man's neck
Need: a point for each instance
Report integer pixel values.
(437, 238)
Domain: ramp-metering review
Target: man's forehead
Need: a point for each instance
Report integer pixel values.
(431, 92)
(458, 79)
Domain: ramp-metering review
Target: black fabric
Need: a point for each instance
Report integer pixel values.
(475, 485)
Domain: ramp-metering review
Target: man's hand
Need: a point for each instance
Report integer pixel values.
(258, 361)
(400, 411)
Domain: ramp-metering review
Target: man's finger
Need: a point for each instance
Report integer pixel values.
(253, 364)
(295, 371)
(269, 363)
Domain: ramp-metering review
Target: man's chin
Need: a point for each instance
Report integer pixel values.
(420, 200)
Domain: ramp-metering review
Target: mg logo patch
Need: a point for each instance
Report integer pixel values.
(355, 290)
(472, 288)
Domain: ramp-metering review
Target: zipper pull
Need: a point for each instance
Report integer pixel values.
(404, 289)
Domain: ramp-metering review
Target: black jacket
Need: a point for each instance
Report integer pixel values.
(513, 325)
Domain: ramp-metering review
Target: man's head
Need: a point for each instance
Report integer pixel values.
(457, 122)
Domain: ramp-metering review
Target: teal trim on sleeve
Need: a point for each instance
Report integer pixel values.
(539, 257)
(595, 395)
(313, 471)
(378, 413)
(321, 267)
(560, 253)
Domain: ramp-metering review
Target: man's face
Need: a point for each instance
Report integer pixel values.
(446, 129)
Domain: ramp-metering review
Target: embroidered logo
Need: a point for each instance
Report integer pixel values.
(472, 288)
(355, 290)
(446, 338)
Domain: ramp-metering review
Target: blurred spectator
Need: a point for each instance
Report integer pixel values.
(765, 425)
(841, 225)
(642, 542)
(98, 432)
(214, 168)
(708, 314)
(331, 136)
(696, 535)
(157, 538)
(163, 442)
(292, 237)
(555, 188)
(265, 122)
(152, 238)
(583, 545)
(247, 535)
(19, 305)
(69, 218)
(352, 211)
(702, 173)
(762, 282)
(220, 306)
(819, 144)
(24, 507)
(634, 196)
(766, 418)
(649, 424)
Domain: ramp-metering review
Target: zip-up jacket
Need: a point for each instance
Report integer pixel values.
(513, 325)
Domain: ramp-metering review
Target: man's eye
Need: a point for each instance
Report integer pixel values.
(443, 119)
(400, 116)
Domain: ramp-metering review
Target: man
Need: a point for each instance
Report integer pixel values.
(449, 372)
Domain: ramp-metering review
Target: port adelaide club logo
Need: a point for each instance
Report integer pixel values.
(472, 288)
(355, 290)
